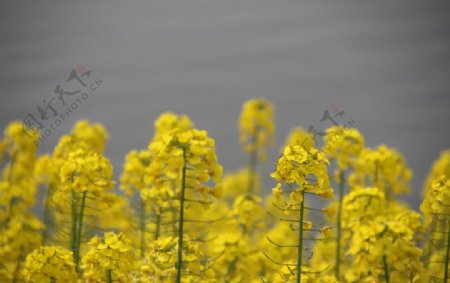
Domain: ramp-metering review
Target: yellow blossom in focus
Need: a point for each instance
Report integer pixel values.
(305, 167)
(86, 172)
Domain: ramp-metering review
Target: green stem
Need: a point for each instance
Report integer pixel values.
(158, 226)
(109, 275)
(74, 206)
(252, 165)
(17, 269)
(447, 253)
(231, 269)
(251, 173)
(339, 224)
(142, 225)
(46, 215)
(386, 271)
(300, 239)
(79, 231)
(429, 245)
(181, 220)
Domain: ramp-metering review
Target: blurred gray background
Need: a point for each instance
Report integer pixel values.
(385, 63)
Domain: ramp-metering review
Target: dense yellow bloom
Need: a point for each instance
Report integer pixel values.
(84, 178)
(343, 145)
(17, 180)
(86, 136)
(19, 228)
(437, 200)
(440, 167)
(363, 202)
(436, 209)
(135, 176)
(380, 235)
(384, 168)
(256, 126)
(19, 138)
(184, 170)
(86, 172)
(168, 122)
(19, 236)
(306, 167)
(111, 257)
(240, 257)
(49, 264)
(45, 170)
(193, 149)
(160, 261)
(134, 170)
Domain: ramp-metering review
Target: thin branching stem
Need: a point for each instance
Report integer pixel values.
(18, 265)
(158, 226)
(79, 231)
(428, 247)
(300, 239)
(181, 221)
(109, 275)
(386, 269)
(339, 224)
(73, 237)
(253, 159)
(46, 215)
(142, 225)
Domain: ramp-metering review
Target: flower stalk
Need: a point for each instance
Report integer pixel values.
(46, 216)
(142, 226)
(181, 219)
(79, 231)
(339, 223)
(300, 238)
(386, 269)
(109, 276)
(253, 159)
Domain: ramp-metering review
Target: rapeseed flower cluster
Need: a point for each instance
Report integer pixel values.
(109, 259)
(256, 126)
(49, 264)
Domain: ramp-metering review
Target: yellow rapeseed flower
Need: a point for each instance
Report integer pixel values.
(49, 264)
(256, 126)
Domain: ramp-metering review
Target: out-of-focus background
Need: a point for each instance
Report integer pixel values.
(386, 64)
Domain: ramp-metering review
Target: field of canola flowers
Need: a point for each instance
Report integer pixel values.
(333, 216)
